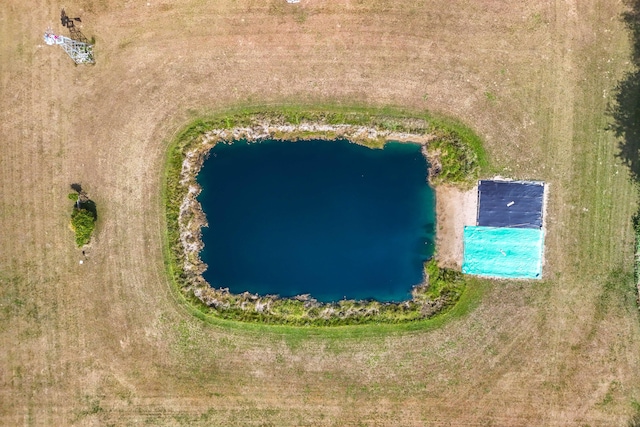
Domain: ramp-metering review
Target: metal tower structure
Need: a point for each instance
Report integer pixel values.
(77, 46)
(80, 52)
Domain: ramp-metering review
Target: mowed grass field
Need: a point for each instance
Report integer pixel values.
(109, 343)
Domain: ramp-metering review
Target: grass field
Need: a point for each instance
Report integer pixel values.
(109, 343)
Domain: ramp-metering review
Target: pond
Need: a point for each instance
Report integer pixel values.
(331, 219)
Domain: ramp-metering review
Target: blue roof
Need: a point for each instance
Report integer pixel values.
(503, 252)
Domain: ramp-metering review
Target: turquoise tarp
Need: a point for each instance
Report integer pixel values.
(503, 252)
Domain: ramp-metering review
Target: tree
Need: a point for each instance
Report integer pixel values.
(84, 215)
(83, 223)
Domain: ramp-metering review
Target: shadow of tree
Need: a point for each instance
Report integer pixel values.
(90, 205)
(626, 110)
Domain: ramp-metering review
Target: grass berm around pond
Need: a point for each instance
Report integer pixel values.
(455, 153)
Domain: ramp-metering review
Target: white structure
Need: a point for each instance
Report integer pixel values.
(80, 52)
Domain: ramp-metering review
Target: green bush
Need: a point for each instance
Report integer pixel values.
(442, 281)
(83, 223)
(458, 161)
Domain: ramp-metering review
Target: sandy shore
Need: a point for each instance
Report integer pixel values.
(455, 208)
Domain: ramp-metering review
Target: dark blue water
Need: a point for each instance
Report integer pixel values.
(331, 219)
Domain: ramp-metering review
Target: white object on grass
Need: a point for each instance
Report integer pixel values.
(80, 52)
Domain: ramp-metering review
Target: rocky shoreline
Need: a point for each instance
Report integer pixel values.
(191, 219)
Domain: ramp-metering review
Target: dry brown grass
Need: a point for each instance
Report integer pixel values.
(106, 343)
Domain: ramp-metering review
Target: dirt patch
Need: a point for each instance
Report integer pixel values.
(455, 208)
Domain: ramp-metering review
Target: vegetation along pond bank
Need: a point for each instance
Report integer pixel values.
(453, 152)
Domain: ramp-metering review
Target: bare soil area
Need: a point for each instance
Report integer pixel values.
(455, 208)
(109, 343)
